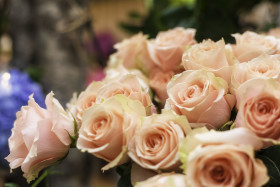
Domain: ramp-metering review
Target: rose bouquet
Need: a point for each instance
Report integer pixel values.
(170, 112)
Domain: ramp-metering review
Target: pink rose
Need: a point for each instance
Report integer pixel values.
(128, 85)
(164, 180)
(264, 66)
(250, 45)
(132, 53)
(39, 137)
(201, 97)
(258, 104)
(167, 48)
(274, 32)
(212, 56)
(108, 127)
(114, 73)
(158, 82)
(85, 100)
(156, 141)
(223, 159)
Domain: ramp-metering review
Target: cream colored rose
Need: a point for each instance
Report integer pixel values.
(39, 137)
(159, 81)
(108, 127)
(223, 159)
(264, 66)
(128, 85)
(132, 53)
(201, 97)
(85, 100)
(167, 48)
(274, 32)
(164, 180)
(250, 45)
(258, 103)
(119, 71)
(213, 56)
(156, 142)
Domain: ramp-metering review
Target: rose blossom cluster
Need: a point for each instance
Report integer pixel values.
(162, 106)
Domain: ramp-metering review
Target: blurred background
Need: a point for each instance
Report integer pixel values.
(63, 45)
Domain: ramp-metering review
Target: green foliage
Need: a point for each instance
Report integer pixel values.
(213, 19)
(124, 171)
(227, 126)
(35, 73)
(11, 185)
(270, 158)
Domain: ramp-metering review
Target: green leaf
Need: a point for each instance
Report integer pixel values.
(11, 185)
(270, 157)
(124, 171)
(47, 172)
(227, 126)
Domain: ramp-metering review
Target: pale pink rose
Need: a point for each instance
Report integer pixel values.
(108, 127)
(250, 45)
(39, 137)
(264, 66)
(156, 142)
(167, 48)
(113, 73)
(201, 97)
(274, 32)
(212, 56)
(258, 104)
(132, 53)
(128, 85)
(223, 159)
(158, 82)
(164, 180)
(85, 100)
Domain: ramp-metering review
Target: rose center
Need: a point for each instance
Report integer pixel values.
(218, 174)
(154, 141)
(261, 69)
(193, 91)
(98, 126)
(263, 108)
(90, 101)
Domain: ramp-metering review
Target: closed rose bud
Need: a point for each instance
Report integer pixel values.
(167, 48)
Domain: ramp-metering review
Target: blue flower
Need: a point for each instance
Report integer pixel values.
(15, 88)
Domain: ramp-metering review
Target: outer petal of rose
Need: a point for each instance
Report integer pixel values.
(62, 123)
(217, 114)
(167, 58)
(103, 151)
(246, 55)
(120, 159)
(239, 136)
(164, 180)
(260, 178)
(254, 87)
(17, 156)
(193, 114)
(43, 152)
